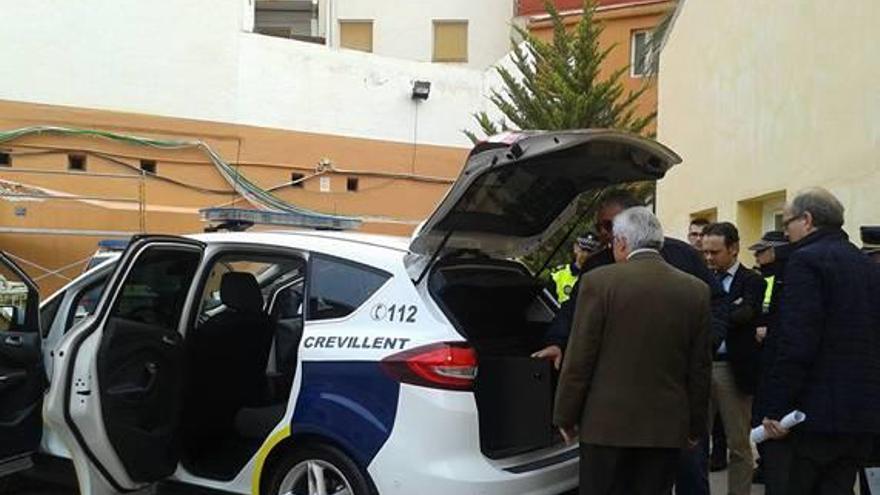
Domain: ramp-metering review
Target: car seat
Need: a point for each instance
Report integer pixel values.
(228, 357)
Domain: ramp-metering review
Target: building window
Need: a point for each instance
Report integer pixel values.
(149, 166)
(76, 162)
(777, 221)
(5, 159)
(351, 184)
(757, 215)
(640, 54)
(356, 35)
(294, 19)
(771, 212)
(450, 41)
(296, 179)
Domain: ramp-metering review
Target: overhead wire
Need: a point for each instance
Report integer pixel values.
(250, 191)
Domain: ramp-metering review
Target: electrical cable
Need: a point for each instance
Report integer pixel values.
(254, 194)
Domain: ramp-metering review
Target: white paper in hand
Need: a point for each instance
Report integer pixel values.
(790, 420)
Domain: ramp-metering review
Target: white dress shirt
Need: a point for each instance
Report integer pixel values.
(726, 283)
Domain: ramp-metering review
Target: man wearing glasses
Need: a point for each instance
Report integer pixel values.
(828, 357)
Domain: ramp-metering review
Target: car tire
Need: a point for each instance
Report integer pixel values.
(321, 463)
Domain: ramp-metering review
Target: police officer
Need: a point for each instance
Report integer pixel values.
(771, 254)
(770, 265)
(564, 277)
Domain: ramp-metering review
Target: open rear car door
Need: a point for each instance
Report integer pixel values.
(119, 385)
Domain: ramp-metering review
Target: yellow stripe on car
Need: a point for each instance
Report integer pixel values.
(263, 454)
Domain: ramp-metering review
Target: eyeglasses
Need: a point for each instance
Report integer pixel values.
(787, 222)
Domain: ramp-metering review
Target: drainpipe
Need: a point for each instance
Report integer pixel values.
(330, 28)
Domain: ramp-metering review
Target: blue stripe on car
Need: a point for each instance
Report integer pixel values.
(353, 403)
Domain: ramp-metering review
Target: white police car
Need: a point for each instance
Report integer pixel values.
(318, 362)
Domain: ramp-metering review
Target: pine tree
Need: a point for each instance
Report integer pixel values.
(557, 85)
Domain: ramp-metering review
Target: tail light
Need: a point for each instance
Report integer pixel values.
(451, 366)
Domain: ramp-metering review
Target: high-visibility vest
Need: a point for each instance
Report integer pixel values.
(768, 292)
(564, 279)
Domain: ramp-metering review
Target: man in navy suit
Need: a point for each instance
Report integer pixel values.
(735, 366)
(828, 359)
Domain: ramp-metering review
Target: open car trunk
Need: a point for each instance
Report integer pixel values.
(514, 192)
(504, 313)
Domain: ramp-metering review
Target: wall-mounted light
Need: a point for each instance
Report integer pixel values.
(421, 90)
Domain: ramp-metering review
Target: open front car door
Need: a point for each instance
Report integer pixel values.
(22, 378)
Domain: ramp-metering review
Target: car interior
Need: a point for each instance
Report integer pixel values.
(504, 312)
(241, 360)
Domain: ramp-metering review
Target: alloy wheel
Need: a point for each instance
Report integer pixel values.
(315, 477)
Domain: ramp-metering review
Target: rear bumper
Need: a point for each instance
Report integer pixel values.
(435, 449)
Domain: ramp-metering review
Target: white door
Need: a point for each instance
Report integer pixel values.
(116, 394)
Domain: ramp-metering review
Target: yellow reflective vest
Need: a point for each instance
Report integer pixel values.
(768, 292)
(564, 279)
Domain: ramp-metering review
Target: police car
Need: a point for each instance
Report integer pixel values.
(319, 362)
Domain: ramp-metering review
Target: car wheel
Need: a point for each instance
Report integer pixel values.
(318, 469)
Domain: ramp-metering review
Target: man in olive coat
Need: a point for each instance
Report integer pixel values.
(634, 386)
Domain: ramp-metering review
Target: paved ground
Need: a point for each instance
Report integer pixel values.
(719, 487)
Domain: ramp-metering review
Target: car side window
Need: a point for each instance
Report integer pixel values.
(155, 290)
(85, 303)
(338, 287)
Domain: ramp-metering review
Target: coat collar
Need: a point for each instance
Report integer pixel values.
(645, 254)
(833, 234)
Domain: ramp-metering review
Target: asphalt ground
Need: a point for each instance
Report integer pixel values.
(36, 486)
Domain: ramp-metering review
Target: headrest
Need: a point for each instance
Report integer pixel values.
(240, 291)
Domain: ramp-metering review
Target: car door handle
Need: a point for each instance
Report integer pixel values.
(11, 378)
(131, 392)
(170, 340)
(13, 341)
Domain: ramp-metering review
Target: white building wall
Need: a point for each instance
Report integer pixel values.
(405, 29)
(196, 60)
(313, 88)
(162, 56)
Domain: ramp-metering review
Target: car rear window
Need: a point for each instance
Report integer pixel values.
(338, 287)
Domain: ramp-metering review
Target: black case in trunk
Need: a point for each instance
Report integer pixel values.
(515, 401)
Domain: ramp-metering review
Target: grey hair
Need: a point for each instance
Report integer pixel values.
(640, 228)
(824, 207)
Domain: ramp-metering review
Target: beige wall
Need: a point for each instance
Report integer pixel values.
(767, 100)
(398, 184)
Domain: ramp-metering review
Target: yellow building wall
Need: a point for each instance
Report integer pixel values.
(768, 100)
(618, 25)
